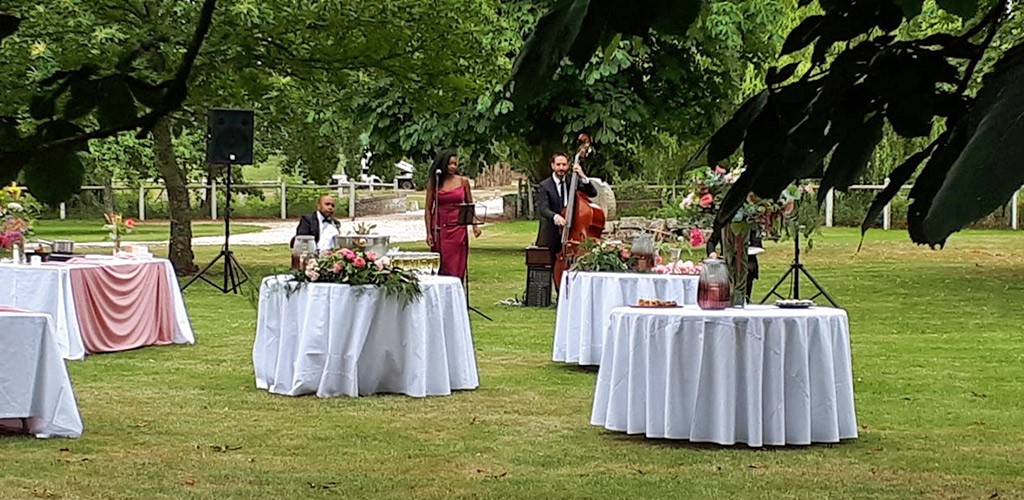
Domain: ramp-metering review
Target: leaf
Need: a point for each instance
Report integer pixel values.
(674, 17)
(42, 106)
(8, 25)
(802, 35)
(897, 178)
(965, 9)
(986, 171)
(730, 135)
(54, 177)
(116, 105)
(777, 76)
(910, 8)
(850, 158)
(544, 49)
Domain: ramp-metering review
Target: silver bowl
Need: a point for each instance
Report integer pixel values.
(376, 243)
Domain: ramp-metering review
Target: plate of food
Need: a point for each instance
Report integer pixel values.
(656, 303)
(794, 303)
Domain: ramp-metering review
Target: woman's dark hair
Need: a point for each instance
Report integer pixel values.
(440, 165)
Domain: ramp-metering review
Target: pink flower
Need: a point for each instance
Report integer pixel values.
(687, 202)
(359, 262)
(371, 255)
(696, 237)
(129, 223)
(719, 170)
(337, 267)
(658, 260)
(625, 253)
(706, 200)
(379, 264)
(788, 208)
(348, 253)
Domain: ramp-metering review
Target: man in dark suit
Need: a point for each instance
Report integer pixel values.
(316, 223)
(552, 194)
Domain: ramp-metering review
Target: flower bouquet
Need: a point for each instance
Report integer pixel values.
(356, 267)
(15, 219)
(606, 256)
(118, 226)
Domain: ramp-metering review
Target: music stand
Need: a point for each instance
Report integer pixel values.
(232, 269)
(795, 269)
(466, 217)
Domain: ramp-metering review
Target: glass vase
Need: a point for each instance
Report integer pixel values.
(735, 242)
(713, 287)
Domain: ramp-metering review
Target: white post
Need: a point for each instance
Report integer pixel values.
(63, 211)
(886, 213)
(284, 200)
(142, 203)
(352, 199)
(1013, 210)
(396, 185)
(830, 203)
(213, 199)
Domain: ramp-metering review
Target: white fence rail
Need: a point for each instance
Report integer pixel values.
(346, 190)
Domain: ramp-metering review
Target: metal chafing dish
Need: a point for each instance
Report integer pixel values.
(376, 243)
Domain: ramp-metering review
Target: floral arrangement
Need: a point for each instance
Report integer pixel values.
(703, 201)
(118, 226)
(356, 267)
(603, 256)
(678, 267)
(16, 214)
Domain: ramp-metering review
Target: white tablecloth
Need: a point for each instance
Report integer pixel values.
(760, 375)
(339, 340)
(47, 289)
(585, 300)
(34, 383)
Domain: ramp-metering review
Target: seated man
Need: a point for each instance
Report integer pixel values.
(321, 224)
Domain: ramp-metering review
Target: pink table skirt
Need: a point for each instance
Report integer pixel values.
(123, 306)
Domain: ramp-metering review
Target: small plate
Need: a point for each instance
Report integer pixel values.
(657, 306)
(794, 304)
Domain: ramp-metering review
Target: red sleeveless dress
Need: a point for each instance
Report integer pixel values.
(453, 245)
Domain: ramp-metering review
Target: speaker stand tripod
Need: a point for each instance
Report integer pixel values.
(234, 275)
(795, 269)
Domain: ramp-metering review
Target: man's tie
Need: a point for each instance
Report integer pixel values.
(561, 185)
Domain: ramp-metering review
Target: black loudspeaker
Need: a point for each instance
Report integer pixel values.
(229, 137)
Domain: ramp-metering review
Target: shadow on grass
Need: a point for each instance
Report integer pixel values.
(702, 446)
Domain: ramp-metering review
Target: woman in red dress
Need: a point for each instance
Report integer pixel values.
(446, 190)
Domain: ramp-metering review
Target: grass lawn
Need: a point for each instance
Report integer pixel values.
(82, 231)
(937, 354)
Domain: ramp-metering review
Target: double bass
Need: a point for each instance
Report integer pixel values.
(583, 218)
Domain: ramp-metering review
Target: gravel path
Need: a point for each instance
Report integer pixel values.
(401, 227)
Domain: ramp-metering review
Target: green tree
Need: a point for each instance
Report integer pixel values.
(828, 120)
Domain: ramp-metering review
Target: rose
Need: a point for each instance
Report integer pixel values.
(706, 200)
(719, 170)
(337, 268)
(129, 223)
(371, 256)
(696, 237)
(624, 253)
(359, 262)
(348, 254)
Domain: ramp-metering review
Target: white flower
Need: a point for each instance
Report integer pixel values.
(15, 207)
(385, 261)
(687, 202)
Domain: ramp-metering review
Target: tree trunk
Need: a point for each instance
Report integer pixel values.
(180, 249)
(108, 194)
